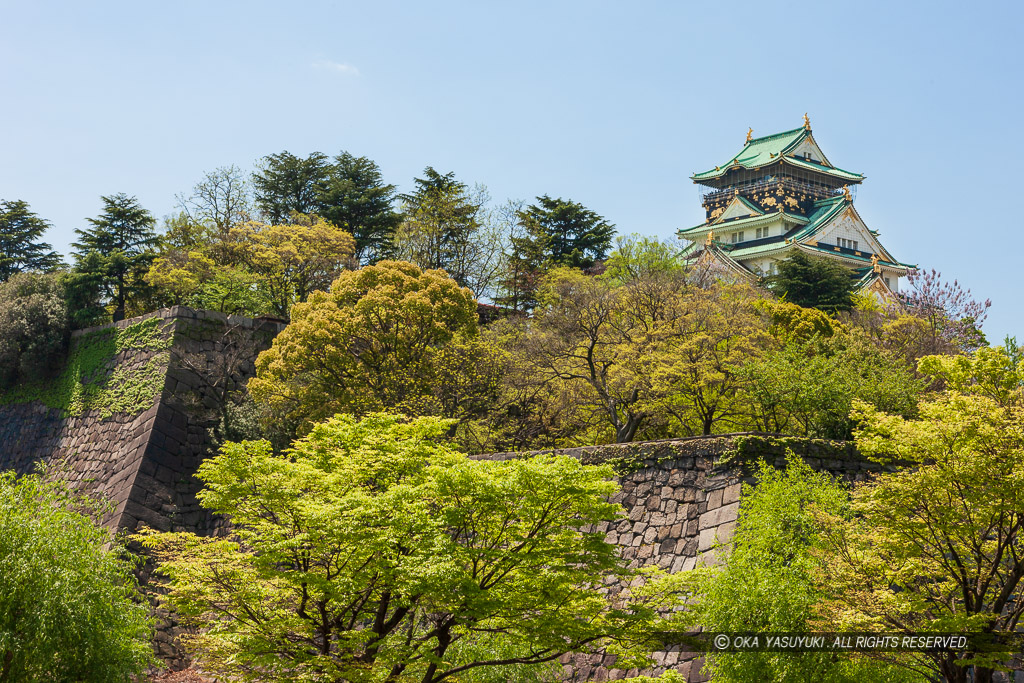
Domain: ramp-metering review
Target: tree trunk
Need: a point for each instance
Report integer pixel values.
(624, 433)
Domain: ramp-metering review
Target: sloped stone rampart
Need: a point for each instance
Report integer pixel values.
(681, 496)
(143, 461)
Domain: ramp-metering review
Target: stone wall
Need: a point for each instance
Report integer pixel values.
(680, 497)
(143, 461)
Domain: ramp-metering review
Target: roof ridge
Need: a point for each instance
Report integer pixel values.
(775, 135)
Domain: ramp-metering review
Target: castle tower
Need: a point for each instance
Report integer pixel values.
(781, 194)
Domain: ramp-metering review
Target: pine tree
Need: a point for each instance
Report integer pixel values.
(20, 248)
(118, 249)
(575, 236)
(813, 283)
(356, 199)
(288, 183)
(442, 222)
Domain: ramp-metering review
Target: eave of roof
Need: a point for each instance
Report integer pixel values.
(771, 149)
(844, 254)
(748, 222)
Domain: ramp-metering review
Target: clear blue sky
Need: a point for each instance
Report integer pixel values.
(609, 104)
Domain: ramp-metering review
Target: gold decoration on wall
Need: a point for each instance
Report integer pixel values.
(874, 263)
(846, 193)
(709, 238)
(792, 203)
(750, 134)
(716, 213)
(769, 201)
(807, 122)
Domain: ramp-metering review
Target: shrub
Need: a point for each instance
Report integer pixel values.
(34, 327)
(68, 607)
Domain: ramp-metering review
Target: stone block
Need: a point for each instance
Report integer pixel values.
(732, 493)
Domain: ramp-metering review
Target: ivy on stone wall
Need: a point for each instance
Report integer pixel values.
(94, 377)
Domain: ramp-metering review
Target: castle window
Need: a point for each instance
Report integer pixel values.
(855, 247)
(887, 284)
(762, 232)
(737, 237)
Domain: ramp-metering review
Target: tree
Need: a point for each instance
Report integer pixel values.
(696, 373)
(34, 327)
(524, 266)
(937, 547)
(949, 315)
(286, 183)
(813, 282)
(766, 580)
(20, 248)
(68, 597)
(122, 240)
(369, 552)
(446, 228)
(808, 387)
(572, 234)
(291, 261)
(370, 344)
(355, 198)
(219, 201)
(636, 257)
(582, 341)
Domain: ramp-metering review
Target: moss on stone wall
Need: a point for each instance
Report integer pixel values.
(751, 448)
(92, 377)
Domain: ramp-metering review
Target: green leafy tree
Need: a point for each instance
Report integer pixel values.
(446, 227)
(374, 342)
(20, 248)
(766, 581)
(370, 553)
(813, 282)
(695, 371)
(936, 547)
(636, 257)
(291, 261)
(355, 198)
(808, 388)
(34, 327)
(525, 267)
(118, 250)
(69, 607)
(581, 344)
(286, 183)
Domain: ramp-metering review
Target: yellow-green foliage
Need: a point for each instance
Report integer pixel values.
(91, 381)
(373, 342)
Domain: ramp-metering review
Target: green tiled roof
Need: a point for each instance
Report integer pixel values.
(824, 210)
(828, 249)
(771, 149)
(759, 151)
(750, 221)
(751, 205)
(831, 170)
